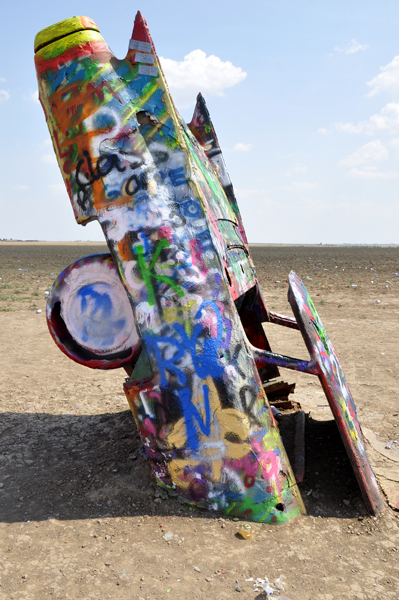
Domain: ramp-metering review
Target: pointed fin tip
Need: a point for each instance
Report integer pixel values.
(139, 16)
(141, 32)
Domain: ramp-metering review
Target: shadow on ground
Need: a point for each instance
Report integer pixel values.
(92, 466)
(330, 488)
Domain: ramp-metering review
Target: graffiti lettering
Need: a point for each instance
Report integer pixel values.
(268, 462)
(210, 432)
(205, 362)
(176, 216)
(192, 416)
(104, 166)
(136, 183)
(170, 314)
(165, 363)
(248, 397)
(205, 238)
(191, 208)
(148, 274)
(177, 176)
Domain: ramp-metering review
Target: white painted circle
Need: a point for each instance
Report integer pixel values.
(96, 309)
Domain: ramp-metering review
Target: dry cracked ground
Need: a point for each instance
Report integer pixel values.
(79, 516)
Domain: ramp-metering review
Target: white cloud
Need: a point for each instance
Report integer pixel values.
(35, 97)
(313, 203)
(300, 186)
(48, 159)
(372, 173)
(297, 168)
(322, 131)
(386, 120)
(242, 147)
(4, 95)
(198, 72)
(245, 192)
(57, 188)
(351, 47)
(21, 188)
(349, 127)
(356, 208)
(254, 202)
(387, 80)
(3, 79)
(254, 197)
(372, 151)
(369, 153)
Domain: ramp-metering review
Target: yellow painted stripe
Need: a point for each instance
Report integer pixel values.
(68, 43)
(62, 29)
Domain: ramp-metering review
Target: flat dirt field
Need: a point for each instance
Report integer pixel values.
(79, 516)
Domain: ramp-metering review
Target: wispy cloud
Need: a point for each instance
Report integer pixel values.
(371, 172)
(3, 79)
(242, 147)
(313, 204)
(198, 72)
(351, 47)
(386, 120)
(21, 188)
(4, 95)
(373, 151)
(300, 186)
(255, 200)
(48, 159)
(297, 168)
(247, 192)
(57, 188)
(361, 162)
(322, 131)
(387, 80)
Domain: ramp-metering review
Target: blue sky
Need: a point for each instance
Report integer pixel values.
(304, 96)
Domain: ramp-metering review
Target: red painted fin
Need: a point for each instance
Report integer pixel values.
(141, 43)
(141, 33)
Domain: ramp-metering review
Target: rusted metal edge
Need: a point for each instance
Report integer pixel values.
(283, 320)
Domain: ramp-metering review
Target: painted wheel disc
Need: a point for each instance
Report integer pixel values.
(89, 314)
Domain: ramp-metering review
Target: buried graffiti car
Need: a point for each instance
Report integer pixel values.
(195, 351)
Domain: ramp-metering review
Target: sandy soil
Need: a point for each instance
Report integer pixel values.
(79, 517)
